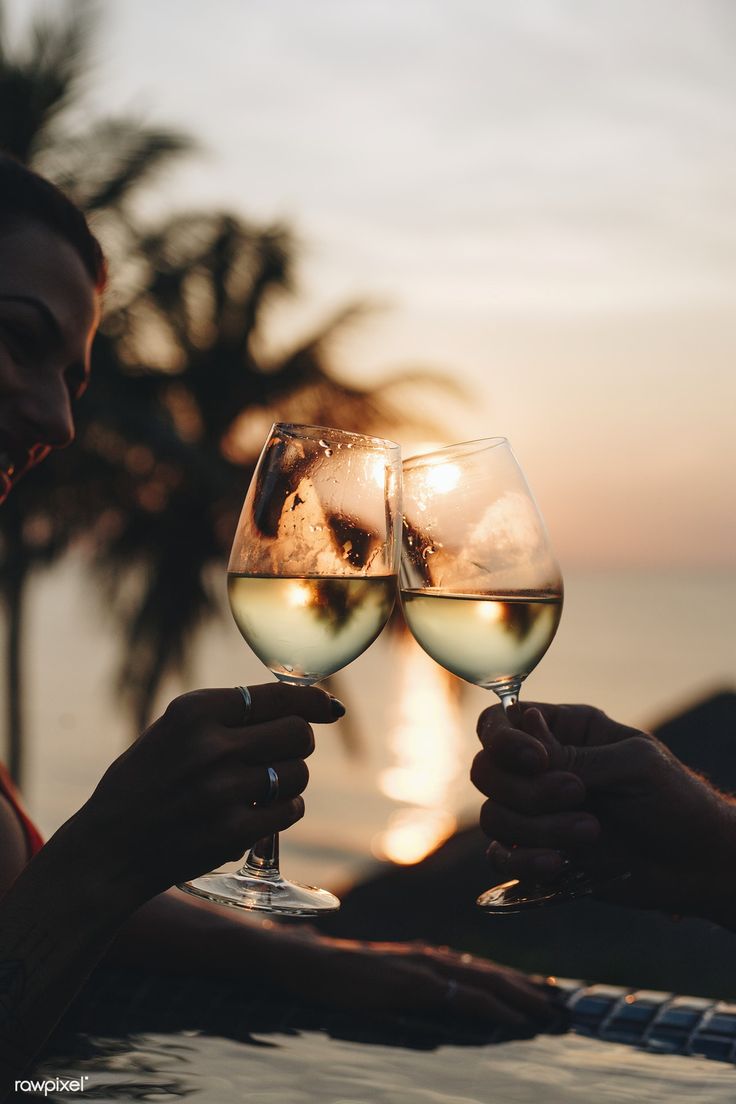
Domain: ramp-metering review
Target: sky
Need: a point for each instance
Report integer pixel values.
(539, 197)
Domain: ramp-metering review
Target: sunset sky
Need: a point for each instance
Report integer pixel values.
(540, 195)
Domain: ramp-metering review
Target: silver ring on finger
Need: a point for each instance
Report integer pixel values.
(246, 698)
(273, 786)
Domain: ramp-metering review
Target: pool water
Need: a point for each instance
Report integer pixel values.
(281, 1053)
(313, 1068)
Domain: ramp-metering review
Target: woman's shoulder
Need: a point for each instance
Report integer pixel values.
(14, 845)
(18, 834)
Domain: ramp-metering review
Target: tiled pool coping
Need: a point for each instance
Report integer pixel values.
(654, 1021)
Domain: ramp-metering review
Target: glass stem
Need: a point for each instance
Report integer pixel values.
(263, 860)
(509, 695)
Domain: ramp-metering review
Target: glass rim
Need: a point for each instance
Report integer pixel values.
(315, 432)
(452, 452)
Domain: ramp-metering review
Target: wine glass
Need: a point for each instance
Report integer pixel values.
(481, 590)
(311, 583)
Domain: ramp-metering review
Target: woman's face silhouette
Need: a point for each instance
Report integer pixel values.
(49, 311)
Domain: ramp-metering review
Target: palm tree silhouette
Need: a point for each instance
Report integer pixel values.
(181, 400)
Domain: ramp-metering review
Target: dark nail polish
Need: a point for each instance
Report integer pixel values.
(337, 709)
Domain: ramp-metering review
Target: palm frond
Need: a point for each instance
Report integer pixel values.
(59, 47)
(40, 81)
(101, 167)
(311, 349)
(160, 627)
(271, 270)
(3, 36)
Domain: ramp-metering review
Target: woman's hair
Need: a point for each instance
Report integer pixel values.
(25, 193)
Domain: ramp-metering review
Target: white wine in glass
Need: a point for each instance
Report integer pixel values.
(311, 583)
(486, 640)
(304, 628)
(481, 590)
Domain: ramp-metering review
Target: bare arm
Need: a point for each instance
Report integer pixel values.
(72, 905)
(55, 922)
(180, 934)
(13, 845)
(174, 933)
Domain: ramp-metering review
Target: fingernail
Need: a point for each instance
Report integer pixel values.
(337, 709)
(585, 829)
(546, 866)
(497, 853)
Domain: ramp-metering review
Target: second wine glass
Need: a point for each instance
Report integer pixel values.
(311, 584)
(481, 589)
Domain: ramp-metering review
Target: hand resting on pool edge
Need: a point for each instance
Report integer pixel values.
(182, 935)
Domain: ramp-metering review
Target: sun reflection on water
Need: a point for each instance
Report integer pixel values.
(425, 746)
(412, 834)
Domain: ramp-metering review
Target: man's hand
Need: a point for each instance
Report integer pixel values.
(569, 779)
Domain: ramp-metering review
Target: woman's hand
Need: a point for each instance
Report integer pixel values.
(569, 779)
(421, 979)
(405, 978)
(183, 798)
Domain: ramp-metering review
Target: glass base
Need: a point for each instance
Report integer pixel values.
(296, 680)
(262, 894)
(516, 896)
